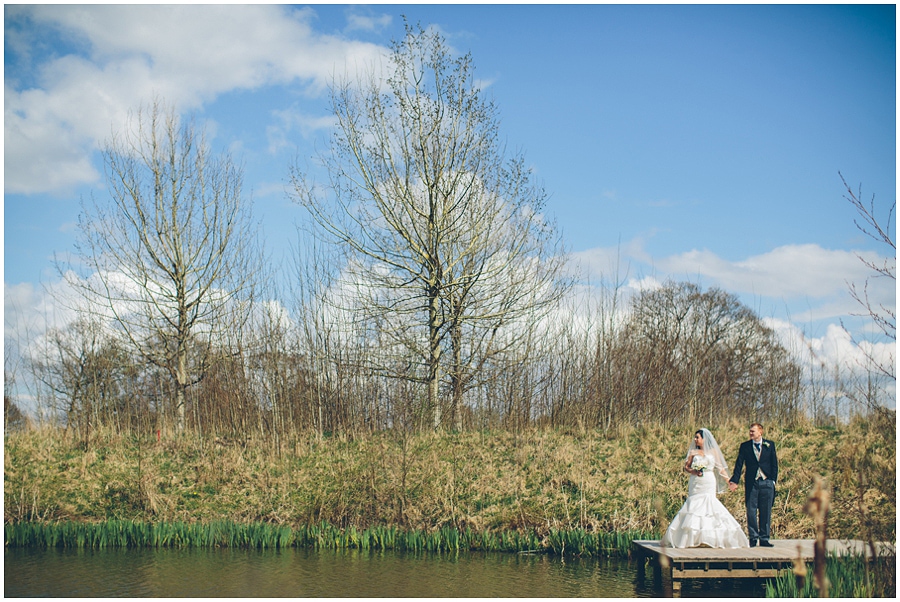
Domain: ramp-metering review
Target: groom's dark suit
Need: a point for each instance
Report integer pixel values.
(759, 489)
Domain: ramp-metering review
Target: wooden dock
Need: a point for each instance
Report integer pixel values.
(742, 563)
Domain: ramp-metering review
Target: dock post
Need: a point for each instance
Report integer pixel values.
(641, 559)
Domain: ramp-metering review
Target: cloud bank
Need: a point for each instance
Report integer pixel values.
(62, 100)
(788, 273)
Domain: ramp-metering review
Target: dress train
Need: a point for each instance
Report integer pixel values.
(704, 520)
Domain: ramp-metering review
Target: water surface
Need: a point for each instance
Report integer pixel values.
(329, 573)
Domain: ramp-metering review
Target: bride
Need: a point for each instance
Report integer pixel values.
(703, 519)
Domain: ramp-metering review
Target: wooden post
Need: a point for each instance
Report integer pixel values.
(641, 564)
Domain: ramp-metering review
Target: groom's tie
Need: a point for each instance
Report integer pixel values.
(759, 472)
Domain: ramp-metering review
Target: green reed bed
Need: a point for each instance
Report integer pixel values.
(848, 577)
(579, 542)
(126, 534)
(226, 534)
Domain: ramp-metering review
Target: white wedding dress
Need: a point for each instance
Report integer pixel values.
(704, 520)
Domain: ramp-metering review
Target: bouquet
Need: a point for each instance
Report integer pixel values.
(700, 463)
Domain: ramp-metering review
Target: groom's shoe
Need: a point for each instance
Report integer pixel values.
(752, 543)
(766, 544)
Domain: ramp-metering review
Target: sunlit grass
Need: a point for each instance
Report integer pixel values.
(624, 481)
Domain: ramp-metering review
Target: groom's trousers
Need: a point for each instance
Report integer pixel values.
(760, 498)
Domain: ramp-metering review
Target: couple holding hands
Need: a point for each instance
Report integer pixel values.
(703, 519)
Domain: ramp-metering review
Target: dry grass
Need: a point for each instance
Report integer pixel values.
(625, 480)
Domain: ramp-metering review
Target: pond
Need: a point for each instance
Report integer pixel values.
(31, 572)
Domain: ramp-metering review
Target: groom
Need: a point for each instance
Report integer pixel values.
(759, 483)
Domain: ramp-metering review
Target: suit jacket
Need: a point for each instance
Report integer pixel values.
(768, 462)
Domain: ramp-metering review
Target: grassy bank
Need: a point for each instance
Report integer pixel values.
(533, 484)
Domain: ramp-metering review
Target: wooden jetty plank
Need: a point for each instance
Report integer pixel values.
(782, 550)
(760, 573)
(740, 563)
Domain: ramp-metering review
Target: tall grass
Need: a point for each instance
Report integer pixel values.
(226, 534)
(585, 483)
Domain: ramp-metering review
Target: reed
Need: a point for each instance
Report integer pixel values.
(579, 542)
(849, 576)
(226, 534)
(137, 534)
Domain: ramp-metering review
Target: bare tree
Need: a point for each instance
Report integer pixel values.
(884, 316)
(13, 417)
(693, 354)
(445, 235)
(86, 374)
(171, 259)
(510, 278)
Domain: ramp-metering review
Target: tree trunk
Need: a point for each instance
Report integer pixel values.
(434, 357)
(456, 378)
(181, 385)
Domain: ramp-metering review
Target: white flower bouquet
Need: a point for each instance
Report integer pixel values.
(701, 463)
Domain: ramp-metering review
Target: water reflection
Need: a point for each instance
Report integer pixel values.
(310, 573)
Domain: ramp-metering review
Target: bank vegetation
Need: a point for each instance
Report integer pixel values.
(626, 479)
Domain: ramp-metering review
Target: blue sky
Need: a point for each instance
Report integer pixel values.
(699, 142)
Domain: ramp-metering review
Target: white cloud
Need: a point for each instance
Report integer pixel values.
(185, 54)
(611, 262)
(291, 120)
(835, 349)
(807, 282)
(816, 277)
(482, 84)
(41, 151)
(360, 22)
(788, 271)
(646, 283)
(29, 311)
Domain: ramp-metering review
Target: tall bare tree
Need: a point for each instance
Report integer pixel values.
(880, 230)
(171, 258)
(445, 234)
